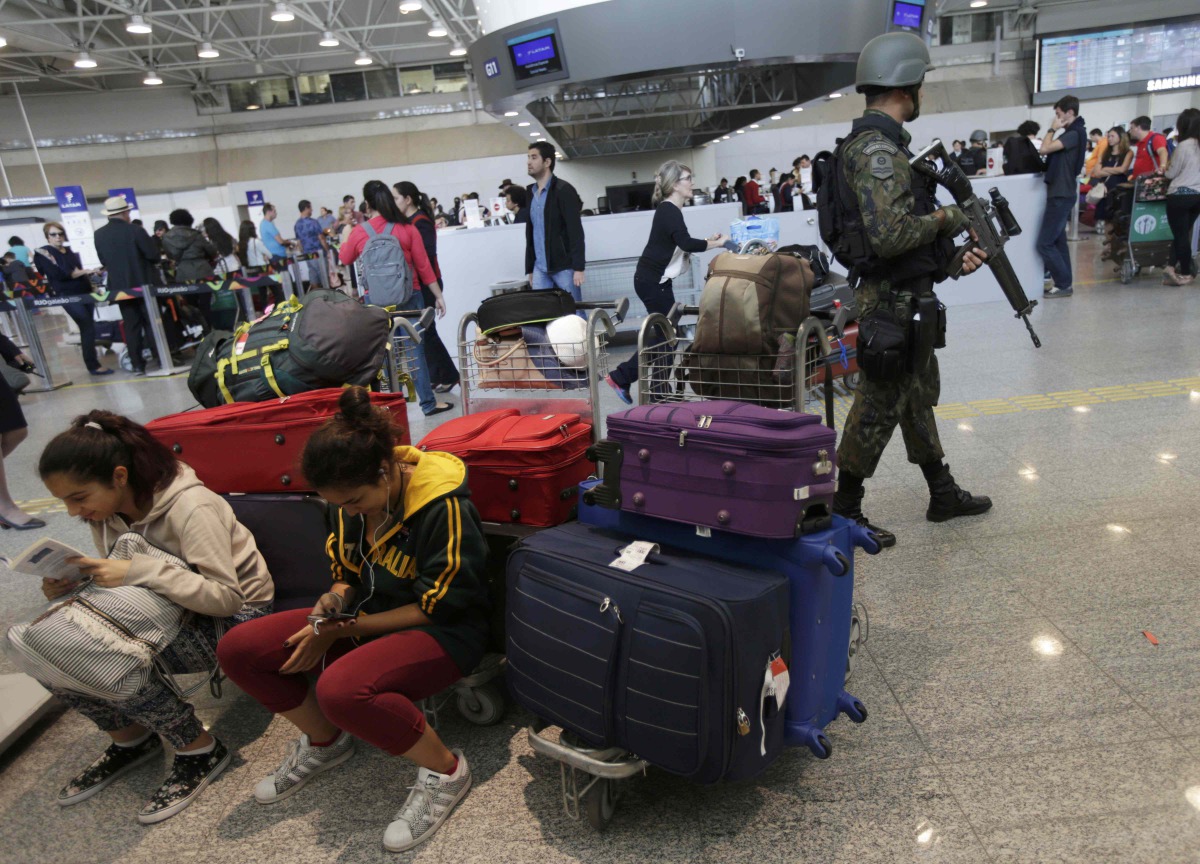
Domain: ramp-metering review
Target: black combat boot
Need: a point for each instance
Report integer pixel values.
(847, 502)
(946, 500)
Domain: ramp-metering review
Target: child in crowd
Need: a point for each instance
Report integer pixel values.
(405, 618)
(111, 473)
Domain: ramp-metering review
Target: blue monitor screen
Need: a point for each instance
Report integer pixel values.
(906, 15)
(536, 55)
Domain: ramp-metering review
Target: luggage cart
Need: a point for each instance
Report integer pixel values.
(511, 373)
(402, 346)
(1149, 237)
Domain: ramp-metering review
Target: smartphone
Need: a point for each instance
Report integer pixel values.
(317, 620)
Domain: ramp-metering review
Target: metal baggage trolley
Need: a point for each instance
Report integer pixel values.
(405, 341)
(1148, 242)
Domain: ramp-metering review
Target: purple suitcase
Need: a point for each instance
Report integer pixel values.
(738, 467)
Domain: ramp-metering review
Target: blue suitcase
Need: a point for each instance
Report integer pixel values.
(668, 661)
(820, 567)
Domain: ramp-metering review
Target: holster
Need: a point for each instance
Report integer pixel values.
(883, 344)
(924, 329)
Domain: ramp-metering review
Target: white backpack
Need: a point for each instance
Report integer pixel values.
(383, 269)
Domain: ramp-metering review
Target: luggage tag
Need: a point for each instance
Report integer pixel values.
(780, 679)
(634, 555)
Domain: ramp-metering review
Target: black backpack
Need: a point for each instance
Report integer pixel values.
(838, 216)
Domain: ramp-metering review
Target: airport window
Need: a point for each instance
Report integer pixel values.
(314, 89)
(348, 87)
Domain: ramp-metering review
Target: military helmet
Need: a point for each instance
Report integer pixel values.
(978, 135)
(892, 60)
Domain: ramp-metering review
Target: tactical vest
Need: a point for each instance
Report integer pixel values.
(841, 223)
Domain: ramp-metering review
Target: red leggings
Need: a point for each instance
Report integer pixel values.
(367, 690)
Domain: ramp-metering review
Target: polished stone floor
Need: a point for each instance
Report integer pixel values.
(1032, 675)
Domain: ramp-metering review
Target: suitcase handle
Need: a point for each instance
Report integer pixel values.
(608, 456)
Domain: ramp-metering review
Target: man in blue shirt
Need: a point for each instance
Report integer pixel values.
(554, 245)
(270, 236)
(1065, 156)
(312, 241)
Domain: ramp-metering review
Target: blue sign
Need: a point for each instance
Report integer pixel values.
(491, 68)
(254, 198)
(128, 194)
(70, 199)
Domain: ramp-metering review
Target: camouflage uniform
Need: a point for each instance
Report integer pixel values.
(881, 179)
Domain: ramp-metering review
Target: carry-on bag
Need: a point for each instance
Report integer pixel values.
(523, 307)
(728, 465)
(326, 340)
(675, 659)
(291, 532)
(255, 447)
(521, 468)
(826, 625)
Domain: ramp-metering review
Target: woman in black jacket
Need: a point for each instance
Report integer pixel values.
(668, 245)
(193, 255)
(414, 204)
(68, 278)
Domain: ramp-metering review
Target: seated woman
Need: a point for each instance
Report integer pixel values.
(111, 473)
(405, 618)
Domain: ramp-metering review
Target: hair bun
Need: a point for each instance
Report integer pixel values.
(355, 405)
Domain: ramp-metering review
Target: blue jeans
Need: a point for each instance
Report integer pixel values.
(1052, 240)
(416, 360)
(564, 279)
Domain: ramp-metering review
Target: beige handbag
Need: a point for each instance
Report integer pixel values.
(504, 363)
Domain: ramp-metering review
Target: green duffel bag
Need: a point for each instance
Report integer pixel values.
(326, 340)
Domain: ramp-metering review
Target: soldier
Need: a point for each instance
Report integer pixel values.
(890, 232)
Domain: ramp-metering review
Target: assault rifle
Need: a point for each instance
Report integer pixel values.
(985, 236)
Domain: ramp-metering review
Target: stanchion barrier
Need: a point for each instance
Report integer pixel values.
(321, 266)
(150, 295)
(33, 342)
(1074, 234)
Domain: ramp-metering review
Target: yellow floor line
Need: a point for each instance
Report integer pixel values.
(1068, 398)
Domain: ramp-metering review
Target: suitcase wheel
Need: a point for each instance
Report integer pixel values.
(851, 707)
(835, 561)
(820, 747)
(600, 803)
(483, 705)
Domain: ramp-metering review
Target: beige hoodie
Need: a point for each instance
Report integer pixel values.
(195, 524)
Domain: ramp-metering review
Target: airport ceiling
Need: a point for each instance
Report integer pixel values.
(47, 40)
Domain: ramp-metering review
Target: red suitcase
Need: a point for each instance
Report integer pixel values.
(521, 468)
(255, 446)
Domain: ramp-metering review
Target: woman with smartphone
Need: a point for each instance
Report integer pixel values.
(405, 617)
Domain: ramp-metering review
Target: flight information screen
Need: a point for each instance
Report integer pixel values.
(536, 56)
(1118, 56)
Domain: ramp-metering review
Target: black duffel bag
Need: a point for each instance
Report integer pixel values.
(524, 307)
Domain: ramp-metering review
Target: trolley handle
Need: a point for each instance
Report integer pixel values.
(403, 323)
(679, 310)
(422, 318)
(620, 306)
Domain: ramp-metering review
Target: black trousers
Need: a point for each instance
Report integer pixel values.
(438, 361)
(84, 316)
(658, 297)
(137, 331)
(1182, 211)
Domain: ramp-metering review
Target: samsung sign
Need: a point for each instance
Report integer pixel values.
(1179, 82)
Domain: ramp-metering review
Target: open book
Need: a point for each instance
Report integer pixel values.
(46, 559)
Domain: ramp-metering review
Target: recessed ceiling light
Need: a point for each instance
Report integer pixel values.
(207, 51)
(797, 108)
(328, 40)
(777, 117)
(137, 24)
(978, 4)
(363, 59)
(510, 113)
(85, 61)
(458, 51)
(410, 6)
(753, 125)
(724, 137)
(741, 131)
(152, 78)
(535, 134)
(437, 31)
(835, 95)
(282, 13)
(523, 123)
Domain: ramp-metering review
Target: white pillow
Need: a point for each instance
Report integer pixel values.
(568, 335)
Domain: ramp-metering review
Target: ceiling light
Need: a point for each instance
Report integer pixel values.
(776, 117)
(978, 4)
(152, 78)
(363, 59)
(137, 24)
(437, 31)
(510, 113)
(797, 108)
(535, 134)
(328, 40)
(741, 131)
(835, 95)
(523, 123)
(410, 6)
(458, 51)
(253, 107)
(207, 51)
(753, 125)
(724, 137)
(282, 13)
(85, 61)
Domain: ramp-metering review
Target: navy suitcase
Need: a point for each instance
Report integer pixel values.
(668, 661)
(820, 569)
(290, 531)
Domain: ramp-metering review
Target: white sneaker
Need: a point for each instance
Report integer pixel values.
(302, 763)
(429, 802)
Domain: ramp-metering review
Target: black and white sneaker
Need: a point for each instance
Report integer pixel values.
(184, 784)
(302, 763)
(429, 803)
(114, 762)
